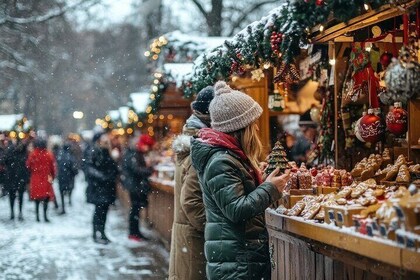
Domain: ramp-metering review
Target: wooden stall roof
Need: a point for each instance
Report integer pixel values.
(372, 17)
(174, 103)
(375, 249)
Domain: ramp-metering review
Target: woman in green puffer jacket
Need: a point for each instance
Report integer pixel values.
(234, 194)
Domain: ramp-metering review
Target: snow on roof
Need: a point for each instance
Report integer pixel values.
(7, 122)
(140, 101)
(114, 114)
(177, 71)
(177, 38)
(123, 110)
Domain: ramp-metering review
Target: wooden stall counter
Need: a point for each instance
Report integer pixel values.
(306, 250)
(160, 212)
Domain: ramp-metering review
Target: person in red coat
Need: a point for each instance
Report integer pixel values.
(42, 167)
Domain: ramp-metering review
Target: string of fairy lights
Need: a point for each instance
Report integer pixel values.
(21, 130)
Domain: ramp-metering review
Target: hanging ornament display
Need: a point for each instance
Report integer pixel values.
(275, 41)
(278, 101)
(257, 74)
(402, 77)
(356, 129)
(319, 2)
(315, 113)
(397, 120)
(371, 127)
(287, 73)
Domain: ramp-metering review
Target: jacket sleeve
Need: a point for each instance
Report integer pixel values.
(53, 166)
(227, 189)
(192, 200)
(29, 163)
(134, 167)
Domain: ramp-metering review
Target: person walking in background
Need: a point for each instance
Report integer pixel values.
(226, 159)
(42, 167)
(67, 170)
(101, 172)
(17, 175)
(187, 260)
(135, 179)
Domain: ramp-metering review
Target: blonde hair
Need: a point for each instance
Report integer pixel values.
(250, 143)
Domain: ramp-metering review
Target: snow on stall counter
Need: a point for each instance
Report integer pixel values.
(64, 249)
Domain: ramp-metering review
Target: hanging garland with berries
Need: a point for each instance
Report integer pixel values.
(274, 39)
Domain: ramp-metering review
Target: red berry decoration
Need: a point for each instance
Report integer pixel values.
(319, 2)
(371, 127)
(275, 41)
(396, 120)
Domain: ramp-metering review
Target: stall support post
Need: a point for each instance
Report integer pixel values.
(332, 57)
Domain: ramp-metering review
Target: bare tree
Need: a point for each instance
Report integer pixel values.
(234, 13)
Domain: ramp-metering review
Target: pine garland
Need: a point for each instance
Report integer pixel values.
(293, 20)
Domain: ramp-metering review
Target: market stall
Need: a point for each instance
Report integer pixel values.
(354, 214)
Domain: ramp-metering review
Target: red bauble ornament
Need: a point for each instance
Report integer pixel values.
(319, 2)
(396, 120)
(371, 127)
(385, 60)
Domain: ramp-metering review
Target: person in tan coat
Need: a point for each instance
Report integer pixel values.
(187, 260)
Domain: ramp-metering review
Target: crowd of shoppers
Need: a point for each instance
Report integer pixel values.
(30, 165)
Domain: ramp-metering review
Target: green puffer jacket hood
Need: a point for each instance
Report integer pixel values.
(236, 240)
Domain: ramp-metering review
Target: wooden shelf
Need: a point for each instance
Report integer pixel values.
(276, 113)
(415, 147)
(355, 243)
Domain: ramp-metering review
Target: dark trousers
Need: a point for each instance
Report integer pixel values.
(99, 218)
(12, 198)
(138, 201)
(45, 202)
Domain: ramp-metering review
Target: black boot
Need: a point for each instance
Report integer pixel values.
(37, 210)
(20, 217)
(45, 210)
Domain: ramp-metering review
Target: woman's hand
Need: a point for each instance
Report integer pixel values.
(278, 181)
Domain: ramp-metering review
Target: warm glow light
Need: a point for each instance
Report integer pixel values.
(140, 124)
(105, 125)
(158, 75)
(155, 88)
(156, 81)
(152, 96)
(147, 53)
(107, 118)
(151, 133)
(12, 134)
(161, 117)
(98, 121)
(150, 128)
(267, 65)
(366, 6)
(155, 56)
(78, 115)
(148, 110)
(332, 61)
(170, 117)
(130, 130)
(321, 28)
(21, 135)
(150, 121)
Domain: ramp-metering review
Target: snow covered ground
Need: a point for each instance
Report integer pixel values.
(63, 249)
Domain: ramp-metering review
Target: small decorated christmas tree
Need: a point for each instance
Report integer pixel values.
(277, 158)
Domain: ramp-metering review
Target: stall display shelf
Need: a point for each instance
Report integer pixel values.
(380, 250)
